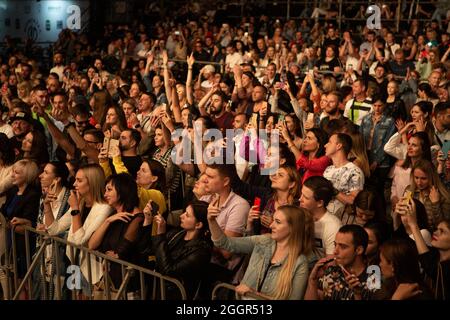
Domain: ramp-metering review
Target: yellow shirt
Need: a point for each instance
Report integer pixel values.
(144, 194)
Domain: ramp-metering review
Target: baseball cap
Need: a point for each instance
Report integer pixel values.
(21, 116)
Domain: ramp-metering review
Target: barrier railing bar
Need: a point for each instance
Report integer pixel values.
(29, 272)
(89, 279)
(142, 282)
(107, 258)
(27, 257)
(13, 238)
(55, 247)
(232, 288)
(124, 284)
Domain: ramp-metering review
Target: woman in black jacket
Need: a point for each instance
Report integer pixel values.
(183, 253)
(21, 208)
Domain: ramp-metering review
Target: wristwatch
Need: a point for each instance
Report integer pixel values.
(74, 213)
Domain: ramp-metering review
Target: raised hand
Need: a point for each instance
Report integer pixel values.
(74, 200)
(213, 208)
(253, 214)
(420, 125)
(190, 60)
(434, 195)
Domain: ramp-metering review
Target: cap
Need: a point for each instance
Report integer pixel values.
(21, 116)
(209, 68)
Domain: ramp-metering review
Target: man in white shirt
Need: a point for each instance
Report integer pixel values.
(317, 192)
(346, 177)
(58, 61)
(233, 58)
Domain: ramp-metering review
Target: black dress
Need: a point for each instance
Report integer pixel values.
(121, 238)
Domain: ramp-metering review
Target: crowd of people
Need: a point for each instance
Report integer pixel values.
(353, 128)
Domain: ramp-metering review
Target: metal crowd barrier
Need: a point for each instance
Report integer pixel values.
(230, 287)
(128, 269)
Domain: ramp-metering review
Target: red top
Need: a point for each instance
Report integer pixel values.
(314, 167)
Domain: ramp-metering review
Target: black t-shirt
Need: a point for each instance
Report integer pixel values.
(323, 65)
(133, 164)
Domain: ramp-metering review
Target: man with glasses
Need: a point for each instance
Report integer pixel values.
(81, 116)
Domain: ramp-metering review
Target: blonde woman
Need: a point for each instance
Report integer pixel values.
(87, 212)
(430, 191)
(24, 91)
(21, 209)
(284, 276)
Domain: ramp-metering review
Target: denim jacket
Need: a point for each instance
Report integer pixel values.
(384, 129)
(262, 248)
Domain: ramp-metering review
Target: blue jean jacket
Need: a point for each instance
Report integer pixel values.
(384, 129)
(260, 274)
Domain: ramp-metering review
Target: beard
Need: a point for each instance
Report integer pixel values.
(123, 148)
(215, 111)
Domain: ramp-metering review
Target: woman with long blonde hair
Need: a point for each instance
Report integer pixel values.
(285, 275)
(430, 191)
(87, 212)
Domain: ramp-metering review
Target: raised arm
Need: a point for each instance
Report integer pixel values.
(167, 86)
(189, 91)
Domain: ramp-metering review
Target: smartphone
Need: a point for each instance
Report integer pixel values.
(280, 118)
(177, 33)
(257, 202)
(109, 144)
(155, 208)
(407, 198)
(446, 148)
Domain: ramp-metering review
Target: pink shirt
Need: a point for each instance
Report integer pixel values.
(314, 167)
